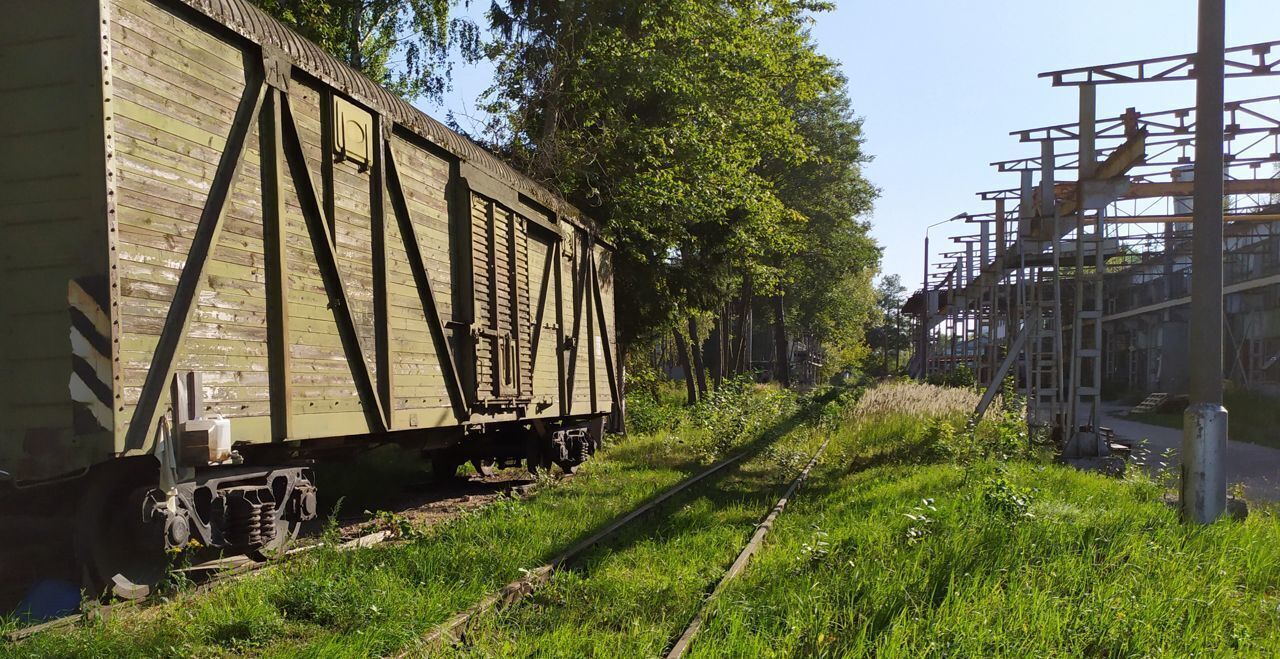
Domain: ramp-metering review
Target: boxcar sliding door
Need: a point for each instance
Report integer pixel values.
(500, 331)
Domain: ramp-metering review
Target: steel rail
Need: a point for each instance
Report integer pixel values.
(518, 589)
(744, 557)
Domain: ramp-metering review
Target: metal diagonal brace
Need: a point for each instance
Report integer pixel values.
(426, 294)
(997, 380)
(182, 309)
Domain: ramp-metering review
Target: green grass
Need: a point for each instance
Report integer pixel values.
(894, 551)
(1253, 417)
(373, 601)
(913, 538)
(632, 596)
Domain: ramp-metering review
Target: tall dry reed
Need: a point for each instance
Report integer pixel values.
(915, 399)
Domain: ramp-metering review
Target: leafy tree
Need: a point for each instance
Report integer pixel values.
(827, 281)
(402, 44)
(888, 333)
(668, 120)
(710, 139)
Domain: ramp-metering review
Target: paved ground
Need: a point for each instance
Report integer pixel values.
(1257, 467)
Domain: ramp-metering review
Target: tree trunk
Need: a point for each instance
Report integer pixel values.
(897, 347)
(355, 54)
(735, 348)
(682, 352)
(717, 364)
(742, 348)
(782, 362)
(725, 368)
(884, 352)
(695, 347)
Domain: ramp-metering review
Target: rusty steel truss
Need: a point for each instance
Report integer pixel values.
(1041, 290)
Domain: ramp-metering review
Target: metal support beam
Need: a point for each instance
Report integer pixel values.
(1257, 59)
(998, 377)
(274, 171)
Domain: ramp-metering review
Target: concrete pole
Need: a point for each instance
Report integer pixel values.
(1048, 167)
(961, 304)
(1001, 228)
(1204, 434)
(1088, 163)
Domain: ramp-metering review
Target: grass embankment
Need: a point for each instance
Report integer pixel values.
(374, 601)
(915, 540)
(1254, 418)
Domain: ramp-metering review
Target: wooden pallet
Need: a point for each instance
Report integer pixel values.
(1150, 403)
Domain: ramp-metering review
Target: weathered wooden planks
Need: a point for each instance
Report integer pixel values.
(249, 299)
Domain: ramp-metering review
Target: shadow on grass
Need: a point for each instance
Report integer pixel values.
(716, 489)
(807, 413)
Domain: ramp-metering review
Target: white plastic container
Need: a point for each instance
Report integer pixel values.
(220, 440)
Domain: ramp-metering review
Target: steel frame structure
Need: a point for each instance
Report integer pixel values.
(1025, 295)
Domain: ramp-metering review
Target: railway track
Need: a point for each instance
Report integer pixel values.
(215, 573)
(209, 575)
(453, 630)
(518, 589)
(221, 571)
(744, 557)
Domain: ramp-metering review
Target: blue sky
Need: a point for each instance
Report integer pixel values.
(941, 83)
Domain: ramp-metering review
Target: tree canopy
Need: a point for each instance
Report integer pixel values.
(710, 139)
(403, 44)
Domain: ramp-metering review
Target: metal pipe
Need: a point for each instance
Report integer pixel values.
(925, 313)
(1204, 434)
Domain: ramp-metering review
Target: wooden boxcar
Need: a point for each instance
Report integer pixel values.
(206, 221)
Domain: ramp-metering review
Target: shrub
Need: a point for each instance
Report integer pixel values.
(646, 416)
(736, 411)
(1006, 499)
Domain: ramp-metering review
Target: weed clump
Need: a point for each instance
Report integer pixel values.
(735, 412)
(1005, 498)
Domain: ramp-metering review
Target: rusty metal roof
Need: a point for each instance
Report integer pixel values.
(254, 24)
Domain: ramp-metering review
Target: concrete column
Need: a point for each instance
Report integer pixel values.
(1047, 172)
(1204, 439)
(1002, 230)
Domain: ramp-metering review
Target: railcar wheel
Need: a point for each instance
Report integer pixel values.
(444, 465)
(537, 454)
(119, 550)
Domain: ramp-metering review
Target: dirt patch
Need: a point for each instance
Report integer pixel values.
(431, 503)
